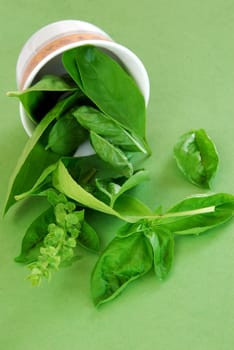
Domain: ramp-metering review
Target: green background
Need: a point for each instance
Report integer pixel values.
(187, 47)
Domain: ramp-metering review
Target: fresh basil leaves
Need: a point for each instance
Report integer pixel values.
(116, 93)
(99, 102)
(156, 235)
(196, 157)
(34, 158)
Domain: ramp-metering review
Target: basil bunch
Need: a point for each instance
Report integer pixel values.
(98, 102)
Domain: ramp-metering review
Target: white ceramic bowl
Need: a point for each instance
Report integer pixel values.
(41, 55)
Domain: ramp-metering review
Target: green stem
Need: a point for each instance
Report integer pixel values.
(205, 210)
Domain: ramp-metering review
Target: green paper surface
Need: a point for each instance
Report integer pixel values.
(187, 47)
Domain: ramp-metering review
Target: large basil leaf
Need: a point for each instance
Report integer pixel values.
(98, 122)
(34, 236)
(108, 85)
(34, 158)
(162, 242)
(124, 260)
(197, 158)
(66, 136)
(39, 98)
(111, 154)
(198, 214)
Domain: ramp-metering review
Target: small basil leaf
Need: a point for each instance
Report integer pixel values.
(124, 260)
(162, 242)
(34, 236)
(129, 229)
(131, 182)
(42, 96)
(108, 188)
(113, 190)
(88, 237)
(198, 214)
(66, 136)
(196, 157)
(111, 154)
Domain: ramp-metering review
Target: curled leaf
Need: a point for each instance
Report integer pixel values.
(196, 157)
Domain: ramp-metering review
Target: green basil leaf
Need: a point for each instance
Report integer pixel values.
(131, 209)
(196, 157)
(42, 96)
(87, 169)
(111, 154)
(134, 180)
(66, 136)
(64, 183)
(34, 236)
(198, 214)
(88, 237)
(34, 159)
(162, 242)
(96, 121)
(124, 260)
(41, 185)
(113, 190)
(108, 85)
(129, 229)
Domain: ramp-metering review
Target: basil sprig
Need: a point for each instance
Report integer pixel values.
(149, 243)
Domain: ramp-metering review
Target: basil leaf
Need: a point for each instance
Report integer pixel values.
(134, 180)
(66, 136)
(111, 154)
(196, 157)
(42, 184)
(34, 159)
(123, 261)
(88, 237)
(129, 229)
(198, 214)
(162, 242)
(34, 236)
(42, 96)
(86, 169)
(106, 83)
(131, 208)
(96, 121)
(113, 190)
(64, 183)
